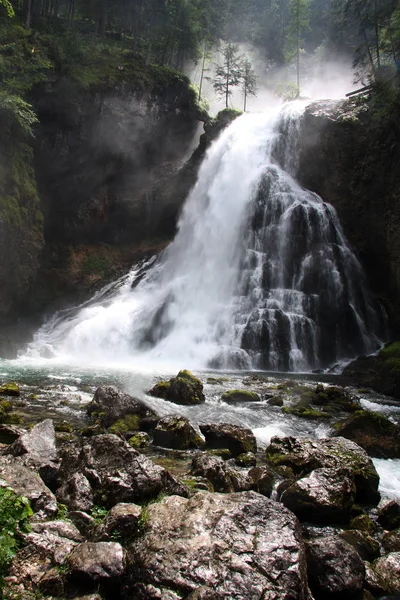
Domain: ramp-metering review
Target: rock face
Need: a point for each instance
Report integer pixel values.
(324, 496)
(184, 389)
(335, 570)
(218, 546)
(109, 404)
(223, 435)
(347, 160)
(116, 472)
(303, 456)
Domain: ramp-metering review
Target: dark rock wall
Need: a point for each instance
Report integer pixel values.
(352, 162)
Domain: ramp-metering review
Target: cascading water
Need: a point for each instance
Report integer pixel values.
(259, 274)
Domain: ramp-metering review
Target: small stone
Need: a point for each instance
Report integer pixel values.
(76, 493)
(97, 561)
(140, 439)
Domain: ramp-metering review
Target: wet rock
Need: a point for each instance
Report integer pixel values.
(391, 541)
(10, 433)
(387, 570)
(335, 570)
(335, 399)
(117, 472)
(26, 483)
(246, 460)
(39, 443)
(140, 439)
(303, 456)
(52, 583)
(200, 543)
(10, 389)
(50, 544)
(389, 514)
(123, 521)
(373, 432)
(239, 396)
(324, 496)
(109, 405)
(364, 523)
(222, 477)
(63, 529)
(276, 401)
(76, 493)
(262, 480)
(223, 435)
(184, 389)
(177, 433)
(364, 544)
(97, 561)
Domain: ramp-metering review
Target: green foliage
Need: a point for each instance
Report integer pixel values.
(19, 111)
(391, 351)
(126, 425)
(228, 73)
(62, 511)
(8, 8)
(14, 517)
(98, 513)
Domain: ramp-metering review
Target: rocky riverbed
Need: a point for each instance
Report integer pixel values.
(242, 486)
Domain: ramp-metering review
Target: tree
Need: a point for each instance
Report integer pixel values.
(299, 23)
(229, 73)
(249, 82)
(7, 5)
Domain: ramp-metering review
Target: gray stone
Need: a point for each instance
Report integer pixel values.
(27, 483)
(222, 477)
(123, 520)
(109, 404)
(97, 561)
(387, 570)
(324, 496)
(366, 546)
(84, 523)
(63, 529)
(335, 570)
(262, 480)
(40, 442)
(305, 455)
(76, 493)
(391, 541)
(389, 514)
(239, 546)
(238, 440)
(176, 433)
(116, 472)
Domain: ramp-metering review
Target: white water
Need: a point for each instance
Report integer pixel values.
(255, 266)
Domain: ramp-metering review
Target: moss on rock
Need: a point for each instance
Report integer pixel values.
(236, 396)
(184, 389)
(373, 432)
(128, 424)
(10, 389)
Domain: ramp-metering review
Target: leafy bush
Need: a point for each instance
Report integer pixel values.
(14, 514)
(18, 111)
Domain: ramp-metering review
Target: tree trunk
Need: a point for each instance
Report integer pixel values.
(28, 13)
(203, 66)
(245, 100)
(148, 55)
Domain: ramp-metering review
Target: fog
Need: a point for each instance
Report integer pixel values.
(322, 77)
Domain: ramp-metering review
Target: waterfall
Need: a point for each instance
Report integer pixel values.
(259, 275)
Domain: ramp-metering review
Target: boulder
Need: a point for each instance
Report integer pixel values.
(389, 514)
(223, 435)
(239, 396)
(176, 433)
(84, 522)
(218, 546)
(366, 546)
(97, 561)
(184, 389)
(335, 570)
(246, 460)
(109, 405)
(391, 541)
(262, 480)
(64, 529)
(387, 571)
(39, 443)
(123, 521)
(222, 477)
(76, 493)
(323, 496)
(10, 389)
(140, 439)
(373, 432)
(305, 455)
(117, 472)
(26, 483)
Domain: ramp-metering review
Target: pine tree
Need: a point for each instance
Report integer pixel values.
(249, 82)
(229, 73)
(299, 23)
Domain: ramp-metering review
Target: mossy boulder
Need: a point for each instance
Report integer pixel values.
(246, 460)
(373, 432)
(141, 439)
(176, 433)
(238, 440)
(366, 546)
(10, 389)
(239, 396)
(184, 389)
(125, 426)
(303, 409)
(305, 455)
(111, 405)
(364, 523)
(381, 373)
